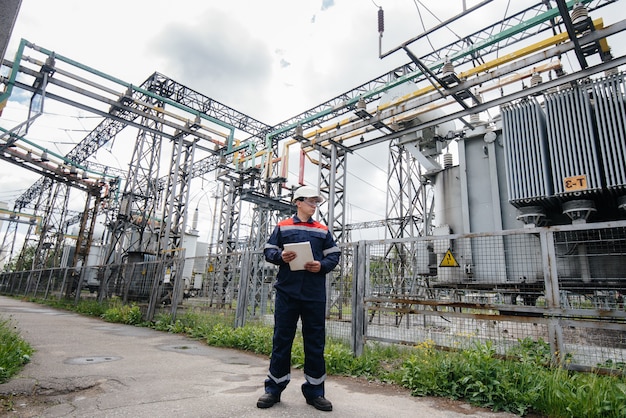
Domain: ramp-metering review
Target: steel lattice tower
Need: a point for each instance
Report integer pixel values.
(135, 229)
(174, 218)
(332, 174)
(226, 263)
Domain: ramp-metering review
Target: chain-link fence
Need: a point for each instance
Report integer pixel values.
(562, 285)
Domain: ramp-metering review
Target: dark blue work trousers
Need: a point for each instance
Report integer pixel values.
(286, 314)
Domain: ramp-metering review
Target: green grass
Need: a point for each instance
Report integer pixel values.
(123, 314)
(15, 352)
(524, 382)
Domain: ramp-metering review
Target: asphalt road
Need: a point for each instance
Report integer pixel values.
(85, 367)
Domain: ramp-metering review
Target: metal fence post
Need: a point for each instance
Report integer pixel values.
(155, 289)
(79, 285)
(553, 300)
(358, 296)
(242, 294)
(179, 282)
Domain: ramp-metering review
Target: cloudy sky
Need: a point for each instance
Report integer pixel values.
(268, 59)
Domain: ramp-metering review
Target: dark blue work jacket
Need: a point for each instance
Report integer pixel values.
(302, 284)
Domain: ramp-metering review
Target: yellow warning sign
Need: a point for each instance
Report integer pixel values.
(448, 260)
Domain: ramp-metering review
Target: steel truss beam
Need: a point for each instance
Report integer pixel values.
(345, 102)
(470, 49)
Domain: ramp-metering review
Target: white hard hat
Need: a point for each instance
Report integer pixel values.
(306, 192)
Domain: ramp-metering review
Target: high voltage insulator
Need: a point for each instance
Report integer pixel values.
(448, 67)
(579, 13)
(381, 20)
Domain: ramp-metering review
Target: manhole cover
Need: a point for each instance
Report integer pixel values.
(91, 360)
(193, 349)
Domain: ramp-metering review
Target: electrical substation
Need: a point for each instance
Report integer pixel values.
(524, 237)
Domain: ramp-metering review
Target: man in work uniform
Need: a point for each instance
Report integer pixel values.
(300, 294)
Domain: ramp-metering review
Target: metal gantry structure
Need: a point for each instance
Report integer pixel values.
(147, 213)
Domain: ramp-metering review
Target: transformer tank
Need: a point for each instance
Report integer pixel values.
(554, 159)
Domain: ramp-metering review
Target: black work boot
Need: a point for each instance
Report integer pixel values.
(320, 403)
(267, 400)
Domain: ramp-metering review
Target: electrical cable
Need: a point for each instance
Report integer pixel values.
(416, 2)
(422, 22)
(352, 205)
(360, 177)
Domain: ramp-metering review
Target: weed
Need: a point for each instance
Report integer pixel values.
(14, 351)
(125, 314)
